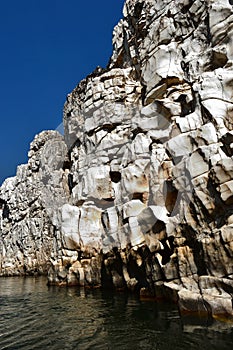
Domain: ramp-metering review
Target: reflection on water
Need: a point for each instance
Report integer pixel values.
(33, 316)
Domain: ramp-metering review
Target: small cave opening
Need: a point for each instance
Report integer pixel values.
(2, 202)
(227, 147)
(138, 10)
(138, 195)
(170, 194)
(70, 182)
(90, 133)
(197, 248)
(106, 277)
(5, 211)
(137, 272)
(219, 60)
(168, 249)
(109, 127)
(68, 114)
(115, 176)
(187, 107)
(80, 202)
(125, 221)
(66, 164)
(158, 227)
(112, 276)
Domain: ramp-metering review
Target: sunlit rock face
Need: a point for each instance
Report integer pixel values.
(150, 170)
(28, 203)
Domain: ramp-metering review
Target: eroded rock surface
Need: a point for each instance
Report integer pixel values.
(150, 169)
(28, 203)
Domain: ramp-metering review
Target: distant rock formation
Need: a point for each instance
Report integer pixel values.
(139, 195)
(27, 207)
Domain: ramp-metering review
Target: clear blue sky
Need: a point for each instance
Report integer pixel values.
(46, 48)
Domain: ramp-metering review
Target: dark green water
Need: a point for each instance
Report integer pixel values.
(33, 316)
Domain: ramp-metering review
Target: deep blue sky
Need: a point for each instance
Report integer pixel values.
(46, 48)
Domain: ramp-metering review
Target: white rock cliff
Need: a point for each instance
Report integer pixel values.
(139, 194)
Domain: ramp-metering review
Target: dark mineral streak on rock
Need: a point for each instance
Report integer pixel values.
(139, 196)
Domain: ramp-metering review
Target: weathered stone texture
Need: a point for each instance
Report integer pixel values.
(150, 176)
(28, 201)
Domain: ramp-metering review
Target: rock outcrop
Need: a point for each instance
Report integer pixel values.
(28, 203)
(143, 200)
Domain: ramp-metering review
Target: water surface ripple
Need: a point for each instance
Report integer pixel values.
(33, 316)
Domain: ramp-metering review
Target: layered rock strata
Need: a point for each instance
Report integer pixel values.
(144, 201)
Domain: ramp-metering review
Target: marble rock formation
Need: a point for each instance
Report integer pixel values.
(144, 199)
(28, 202)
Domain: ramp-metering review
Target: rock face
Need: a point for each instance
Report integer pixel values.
(28, 204)
(145, 200)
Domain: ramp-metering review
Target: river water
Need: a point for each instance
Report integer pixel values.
(34, 316)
